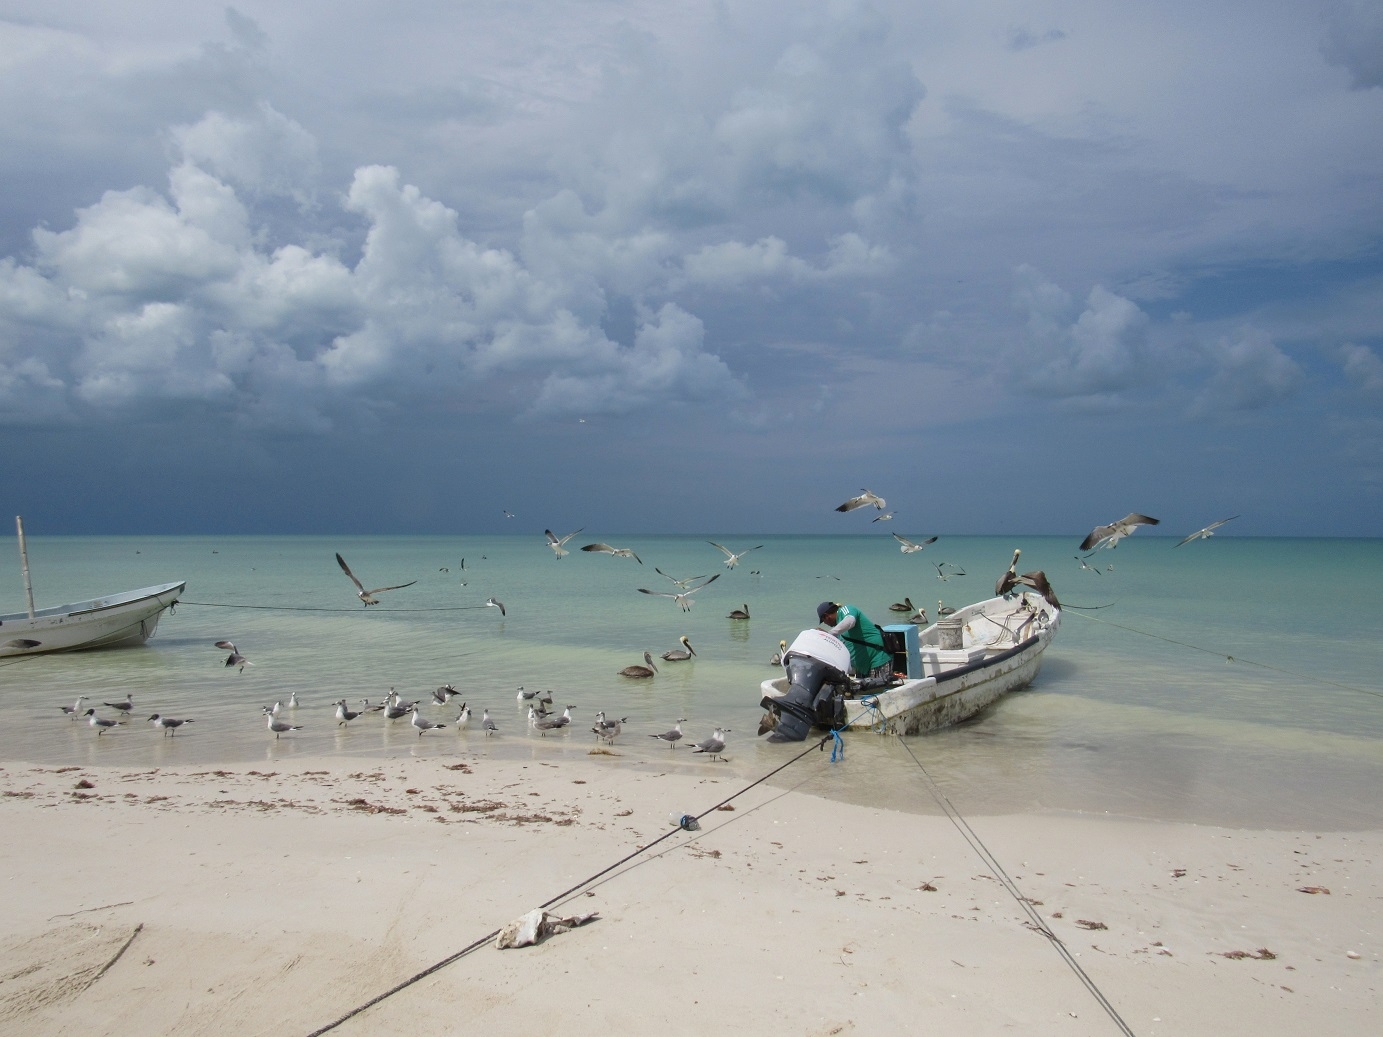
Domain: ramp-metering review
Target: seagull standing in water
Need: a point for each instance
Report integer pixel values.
(368, 597)
(344, 716)
(608, 729)
(912, 546)
(420, 724)
(1207, 531)
(463, 718)
(731, 558)
(1110, 535)
(100, 723)
(864, 500)
(169, 725)
(276, 725)
(487, 725)
(235, 658)
(618, 552)
(124, 706)
(75, 710)
(559, 544)
(675, 735)
(715, 745)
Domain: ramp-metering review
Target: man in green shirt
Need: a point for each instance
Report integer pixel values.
(872, 663)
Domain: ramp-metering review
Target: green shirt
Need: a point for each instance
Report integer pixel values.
(864, 640)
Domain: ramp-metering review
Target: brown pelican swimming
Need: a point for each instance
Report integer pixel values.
(618, 552)
(679, 655)
(558, 544)
(732, 559)
(640, 672)
(1208, 531)
(912, 546)
(919, 618)
(740, 613)
(1110, 535)
(683, 598)
(776, 659)
(905, 605)
(864, 500)
(368, 597)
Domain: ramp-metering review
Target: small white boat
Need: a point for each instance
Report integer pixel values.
(955, 668)
(128, 618)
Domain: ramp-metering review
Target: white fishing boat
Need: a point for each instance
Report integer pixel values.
(954, 669)
(127, 618)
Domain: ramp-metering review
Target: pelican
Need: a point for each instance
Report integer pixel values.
(678, 655)
(905, 605)
(169, 725)
(420, 724)
(740, 613)
(1110, 535)
(715, 745)
(912, 546)
(1037, 580)
(368, 597)
(1207, 531)
(495, 603)
(943, 609)
(919, 617)
(945, 570)
(732, 559)
(100, 723)
(559, 544)
(863, 500)
(618, 552)
(75, 710)
(683, 598)
(640, 672)
(278, 726)
(776, 659)
(675, 735)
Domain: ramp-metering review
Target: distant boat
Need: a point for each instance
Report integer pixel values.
(127, 618)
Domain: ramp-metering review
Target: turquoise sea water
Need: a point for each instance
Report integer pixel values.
(1136, 712)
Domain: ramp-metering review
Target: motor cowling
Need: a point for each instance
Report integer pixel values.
(816, 678)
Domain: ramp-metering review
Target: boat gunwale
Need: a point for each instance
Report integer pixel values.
(89, 607)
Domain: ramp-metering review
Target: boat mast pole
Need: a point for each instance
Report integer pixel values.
(24, 562)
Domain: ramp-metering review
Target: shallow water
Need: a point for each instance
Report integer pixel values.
(1137, 710)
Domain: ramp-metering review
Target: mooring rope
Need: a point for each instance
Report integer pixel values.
(1236, 658)
(310, 608)
(482, 941)
(1036, 922)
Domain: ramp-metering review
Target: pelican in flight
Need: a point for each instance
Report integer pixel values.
(618, 552)
(683, 598)
(1036, 579)
(1208, 531)
(368, 597)
(640, 672)
(1110, 535)
(740, 613)
(912, 546)
(559, 544)
(732, 559)
(864, 500)
(680, 655)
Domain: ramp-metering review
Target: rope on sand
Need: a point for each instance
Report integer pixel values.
(475, 945)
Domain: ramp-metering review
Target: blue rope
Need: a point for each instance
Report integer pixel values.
(838, 749)
(871, 703)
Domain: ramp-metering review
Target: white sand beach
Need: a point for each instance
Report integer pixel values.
(237, 900)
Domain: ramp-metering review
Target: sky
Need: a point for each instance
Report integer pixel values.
(1018, 267)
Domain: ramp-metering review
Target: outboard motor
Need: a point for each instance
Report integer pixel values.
(816, 665)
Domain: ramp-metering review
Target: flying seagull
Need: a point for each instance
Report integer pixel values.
(618, 552)
(495, 603)
(1208, 531)
(883, 518)
(683, 598)
(732, 559)
(863, 500)
(683, 584)
(1110, 535)
(912, 546)
(945, 570)
(559, 544)
(235, 658)
(368, 597)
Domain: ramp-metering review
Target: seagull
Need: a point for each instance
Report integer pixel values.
(525, 696)
(420, 724)
(444, 694)
(1110, 535)
(618, 552)
(740, 613)
(235, 658)
(495, 603)
(732, 559)
(683, 584)
(715, 745)
(276, 708)
(608, 729)
(905, 605)
(678, 655)
(463, 719)
(169, 725)
(75, 710)
(278, 726)
(559, 544)
(508, 513)
(863, 500)
(640, 671)
(487, 725)
(1208, 531)
(100, 723)
(911, 546)
(124, 706)
(397, 708)
(675, 735)
(883, 518)
(293, 700)
(683, 598)
(1091, 568)
(945, 570)
(344, 716)
(368, 597)
(776, 659)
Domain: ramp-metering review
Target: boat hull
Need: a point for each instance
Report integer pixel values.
(1004, 642)
(129, 618)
